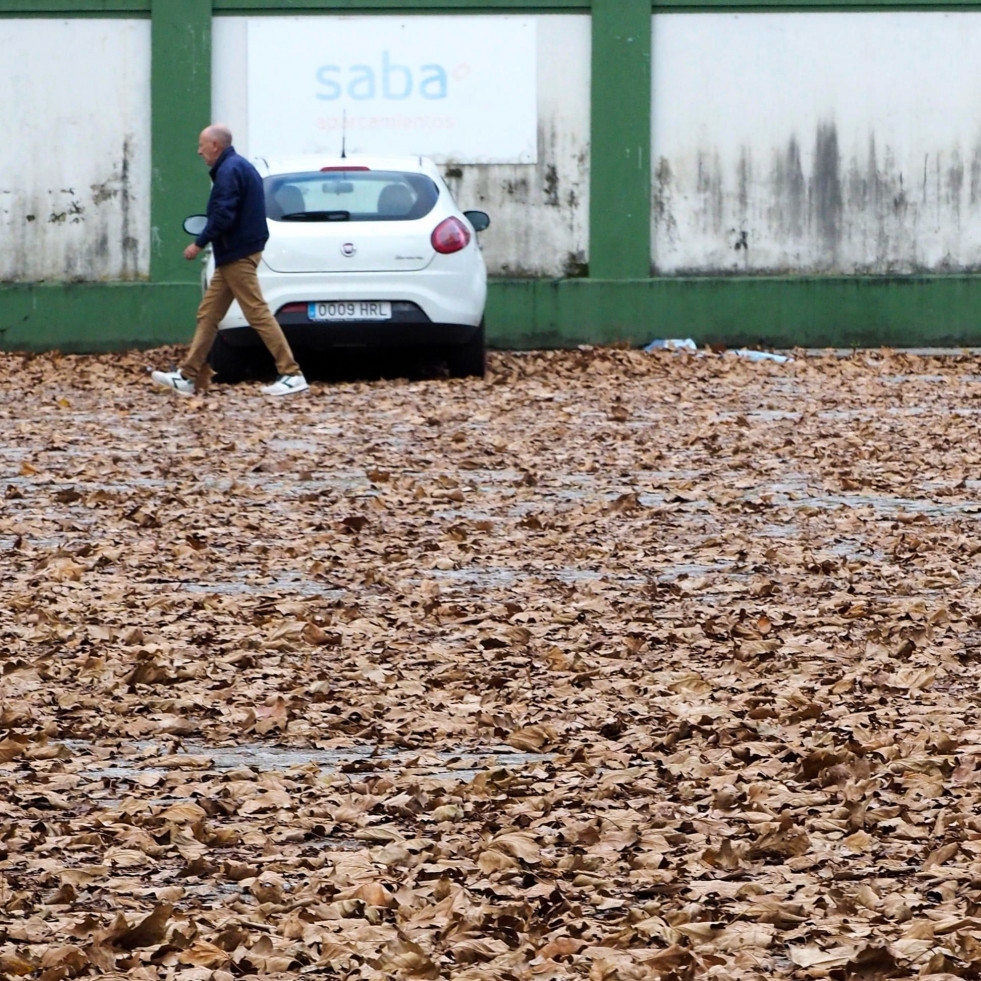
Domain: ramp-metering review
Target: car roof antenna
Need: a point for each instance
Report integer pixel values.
(344, 135)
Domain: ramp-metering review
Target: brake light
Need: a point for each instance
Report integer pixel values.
(323, 170)
(450, 235)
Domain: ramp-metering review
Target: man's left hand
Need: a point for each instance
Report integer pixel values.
(192, 251)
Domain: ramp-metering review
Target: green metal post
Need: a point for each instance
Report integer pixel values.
(181, 99)
(620, 165)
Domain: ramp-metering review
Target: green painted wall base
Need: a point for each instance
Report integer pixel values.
(526, 314)
(784, 312)
(89, 317)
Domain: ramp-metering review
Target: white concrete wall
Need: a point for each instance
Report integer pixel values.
(816, 142)
(539, 212)
(75, 153)
(810, 142)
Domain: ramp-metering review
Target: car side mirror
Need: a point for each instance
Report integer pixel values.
(195, 224)
(479, 219)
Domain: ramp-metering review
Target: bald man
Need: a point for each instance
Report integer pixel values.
(237, 233)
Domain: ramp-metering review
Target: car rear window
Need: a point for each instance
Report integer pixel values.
(349, 195)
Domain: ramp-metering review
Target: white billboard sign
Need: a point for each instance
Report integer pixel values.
(459, 89)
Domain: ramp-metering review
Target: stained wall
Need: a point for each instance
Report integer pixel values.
(539, 210)
(75, 153)
(839, 143)
(798, 143)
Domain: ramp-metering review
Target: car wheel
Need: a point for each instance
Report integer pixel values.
(231, 364)
(468, 360)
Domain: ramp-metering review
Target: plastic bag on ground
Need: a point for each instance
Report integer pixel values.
(762, 355)
(672, 344)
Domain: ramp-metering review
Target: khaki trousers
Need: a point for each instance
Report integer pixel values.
(236, 281)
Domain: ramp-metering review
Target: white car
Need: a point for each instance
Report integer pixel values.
(363, 253)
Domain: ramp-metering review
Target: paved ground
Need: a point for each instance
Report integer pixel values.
(613, 665)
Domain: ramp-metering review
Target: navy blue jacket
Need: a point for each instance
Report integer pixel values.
(236, 210)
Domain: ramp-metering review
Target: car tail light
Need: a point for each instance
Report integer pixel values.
(450, 235)
(324, 170)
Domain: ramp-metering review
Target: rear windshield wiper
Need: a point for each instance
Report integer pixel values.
(317, 216)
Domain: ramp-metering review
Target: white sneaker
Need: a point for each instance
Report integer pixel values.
(286, 385)
(173, 380)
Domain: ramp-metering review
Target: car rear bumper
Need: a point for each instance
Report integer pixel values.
(439, 295)
(353, 335)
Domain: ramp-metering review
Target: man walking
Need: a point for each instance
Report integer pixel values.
(237, 233)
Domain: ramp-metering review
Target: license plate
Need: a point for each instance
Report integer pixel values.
(350, 310)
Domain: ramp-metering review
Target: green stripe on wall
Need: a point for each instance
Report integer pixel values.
(400, 6)
(53, 8)
(73, 8)
(180, 92)
(797, 6)
(527, 314)
(776, 312)
(620, 138)
(88, 317)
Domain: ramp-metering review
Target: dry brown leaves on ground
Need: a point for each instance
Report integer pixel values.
(612, 665)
